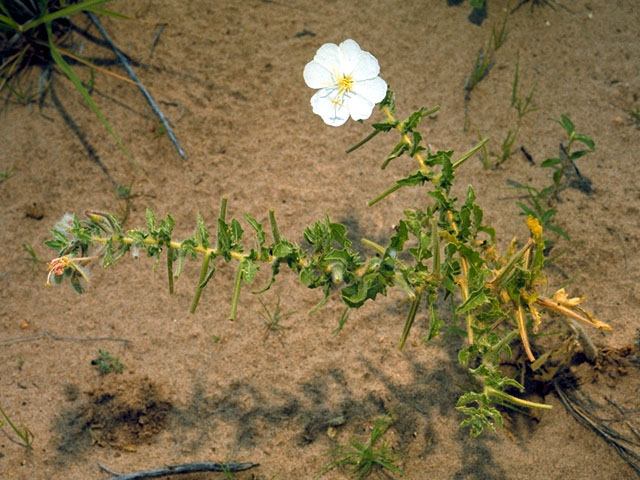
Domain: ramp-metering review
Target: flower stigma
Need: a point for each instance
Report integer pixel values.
(345, 84)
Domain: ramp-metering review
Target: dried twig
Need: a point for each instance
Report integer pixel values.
(135, 78)
(39, 336)
(581, 413)
(182, 469)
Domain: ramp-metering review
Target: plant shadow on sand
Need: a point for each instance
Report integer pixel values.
(126, 412)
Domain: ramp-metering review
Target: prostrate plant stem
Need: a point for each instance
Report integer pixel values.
(441, 249)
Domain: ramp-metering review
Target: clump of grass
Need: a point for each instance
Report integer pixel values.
(272, 321)
(485, 59)
(365, 457)
(25, 435)
(34, 33)
(523, 107)
(106, 363)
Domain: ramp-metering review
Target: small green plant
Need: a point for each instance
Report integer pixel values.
(363, 458)
(541, 203)
(106, 363)
(634, 116)
(523, 107)
(7, 174)
(33, 256)
(25, 435)
(567, 156)
(485, 58)
(540, 208)
(272, 321)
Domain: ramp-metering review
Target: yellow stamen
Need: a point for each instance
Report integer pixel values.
(345, 84)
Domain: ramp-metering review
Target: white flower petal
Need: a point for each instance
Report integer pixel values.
(356, 62)
(350, 53)
(373, 90)
(332, 113)
(316, 75)
(328, 55)
(366, 68)
(359, 107)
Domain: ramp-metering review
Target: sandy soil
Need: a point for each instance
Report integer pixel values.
(229, 76)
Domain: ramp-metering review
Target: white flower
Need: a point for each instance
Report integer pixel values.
(348, 82)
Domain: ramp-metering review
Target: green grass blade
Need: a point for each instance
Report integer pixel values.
(9, 23)
(64, 66)
(64, 12)
(108, 13)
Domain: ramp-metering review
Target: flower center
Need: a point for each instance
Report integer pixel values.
(345, 84)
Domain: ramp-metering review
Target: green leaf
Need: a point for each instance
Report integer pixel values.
(581, 137)
(526, 210)
(249, 270)
(475, 300)
(385, 126)
(412, 122)
(389, 101)
(416, 147)
(434, 325)
(282, 249)
(550, 162)
(151, 220)
(368, 287)
(416, 178)
(558, 230)
(397, 151)
(258, 228)
(567, 124)
(579, 153)
(236, 232)
(202, 234)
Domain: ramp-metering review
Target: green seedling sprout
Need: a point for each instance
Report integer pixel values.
(25, 435)
(7, 174)
(523, 107)
(567, 156)
(363, 458)
(272, 320)
(106, 363)
(485, 58)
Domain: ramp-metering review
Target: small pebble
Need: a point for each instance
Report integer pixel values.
(24, 325)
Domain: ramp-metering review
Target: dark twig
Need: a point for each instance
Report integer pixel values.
(135, 78)
(182, 469)
(156, 39)
(40, 336)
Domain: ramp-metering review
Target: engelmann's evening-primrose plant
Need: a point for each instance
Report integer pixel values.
(348, 82)
(443, 249)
